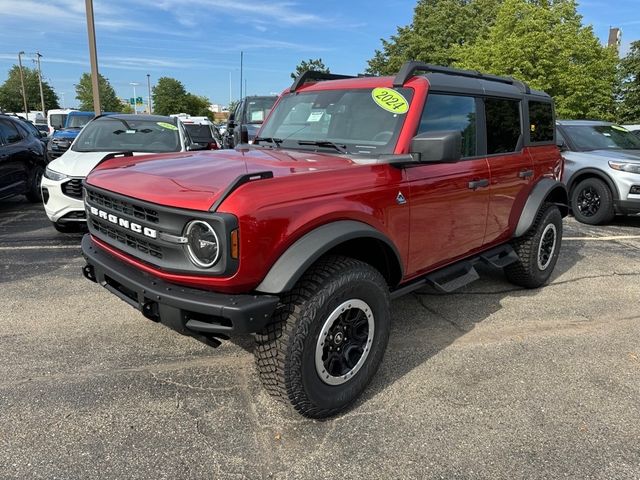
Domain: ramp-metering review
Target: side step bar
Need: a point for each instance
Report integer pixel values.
(453, 277)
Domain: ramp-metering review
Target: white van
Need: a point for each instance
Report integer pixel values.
(57, 117)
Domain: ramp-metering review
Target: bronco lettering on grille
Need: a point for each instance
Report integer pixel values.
(134, 227)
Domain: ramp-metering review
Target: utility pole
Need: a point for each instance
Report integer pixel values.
(24, 91)
(93, 57)
(230, 94)
(44, 112)
(135, 99)
(149, 89)
(241, 55)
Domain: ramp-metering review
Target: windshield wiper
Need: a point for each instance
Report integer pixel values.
(324, 143)
(275, 141)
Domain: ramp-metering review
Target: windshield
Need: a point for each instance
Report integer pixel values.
(352, 119)
(199, 133)
(77, 121)
(57, 120)
(113, 135)
(258, 109)
(601, 137)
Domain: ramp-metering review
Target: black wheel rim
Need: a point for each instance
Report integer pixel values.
(588, 202)
(547, 246)
(344, 342)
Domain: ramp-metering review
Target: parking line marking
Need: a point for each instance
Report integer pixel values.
(39, 247)
(604, 239)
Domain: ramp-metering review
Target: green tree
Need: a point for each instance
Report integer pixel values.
(109, 101)
(629, 93)
(168, 96)
(438, 27)
(11, 91)
(316, 65)
(544, 43)
(196, 105)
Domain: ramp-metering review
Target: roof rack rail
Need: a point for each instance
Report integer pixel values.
(410, 68)
(317, 76)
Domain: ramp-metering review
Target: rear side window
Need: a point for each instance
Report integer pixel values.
(540, 122)
(503, 125)
(8, 132)
(451, 112)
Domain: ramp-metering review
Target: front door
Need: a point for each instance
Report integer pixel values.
(449, 202)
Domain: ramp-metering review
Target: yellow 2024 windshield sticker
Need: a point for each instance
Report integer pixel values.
(619, 128)
(391, 100)
(166, 125)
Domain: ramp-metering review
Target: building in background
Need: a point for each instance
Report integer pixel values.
(615, 38)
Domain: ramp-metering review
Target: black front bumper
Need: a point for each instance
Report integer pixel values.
(627, 207)
(198, 313)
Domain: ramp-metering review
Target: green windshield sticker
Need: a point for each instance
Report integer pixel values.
(391, 100)
(166, 125)
(619, 128)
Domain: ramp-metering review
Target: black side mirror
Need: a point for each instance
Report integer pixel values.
(196, 146)
(562, 146)
(436, 147)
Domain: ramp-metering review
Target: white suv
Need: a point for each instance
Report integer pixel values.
(104, 136)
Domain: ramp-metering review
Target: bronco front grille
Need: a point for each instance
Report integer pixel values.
(121, 206)
(73, 188)
(124, 238)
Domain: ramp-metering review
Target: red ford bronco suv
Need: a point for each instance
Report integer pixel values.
(355, 192)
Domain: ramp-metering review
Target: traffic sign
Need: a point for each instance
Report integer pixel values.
(138, 101)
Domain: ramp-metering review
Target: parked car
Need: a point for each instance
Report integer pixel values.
(106, 136)
(246, 120)
(21, 159)
(62, 138)
(204, 133)
(357, 191)
(57, 117)
(635, 129)
(602, 169)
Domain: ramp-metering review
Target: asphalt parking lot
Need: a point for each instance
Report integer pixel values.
(491, 382)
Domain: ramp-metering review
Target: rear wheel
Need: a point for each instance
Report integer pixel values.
(34, 193)
(592, 202)
(328, 339)
(537, 250)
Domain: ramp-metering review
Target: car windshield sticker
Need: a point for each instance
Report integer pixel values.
(131, 131)
(257, 116)
(166, 125)
(619, 128)
(390, 100)
(315, 116)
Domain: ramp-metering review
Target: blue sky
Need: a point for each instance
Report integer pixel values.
(199, 41)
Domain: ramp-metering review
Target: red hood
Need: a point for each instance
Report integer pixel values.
(195, 180)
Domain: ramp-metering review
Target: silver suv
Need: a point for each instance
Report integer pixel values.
(602, 169)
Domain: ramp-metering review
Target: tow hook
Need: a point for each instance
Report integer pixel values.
(88, 273)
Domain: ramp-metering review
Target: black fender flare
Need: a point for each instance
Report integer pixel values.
(594, 172)
(541, 191)
(305, 251)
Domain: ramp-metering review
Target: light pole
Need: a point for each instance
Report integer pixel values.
(24, 91)
(44, 112)
(93, 57)
(135, 103)
(149, 91)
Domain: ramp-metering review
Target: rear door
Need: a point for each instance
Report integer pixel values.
(510, 164)
(13, 160)
(449, 202)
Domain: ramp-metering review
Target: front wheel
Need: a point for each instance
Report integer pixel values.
(592, 202)
(537, 250)
(328, 338)
(34, 193)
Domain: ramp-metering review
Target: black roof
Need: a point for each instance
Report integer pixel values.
(444, 82)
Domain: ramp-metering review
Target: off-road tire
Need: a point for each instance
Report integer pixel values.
(526, 272)
(33, 193)
(285, 350)
(605, 212)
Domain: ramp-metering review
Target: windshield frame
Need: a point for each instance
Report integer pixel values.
(290, 143)
(97, 123)
(569, 136)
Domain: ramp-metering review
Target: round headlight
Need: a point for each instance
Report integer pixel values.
(202, 244)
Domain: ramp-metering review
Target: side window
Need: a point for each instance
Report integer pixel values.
(560, 139)
(9, 132)
(503, 125)
(451, 112)
(540, 122)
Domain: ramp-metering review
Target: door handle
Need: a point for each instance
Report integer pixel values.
(526, 174)
(475, 184)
